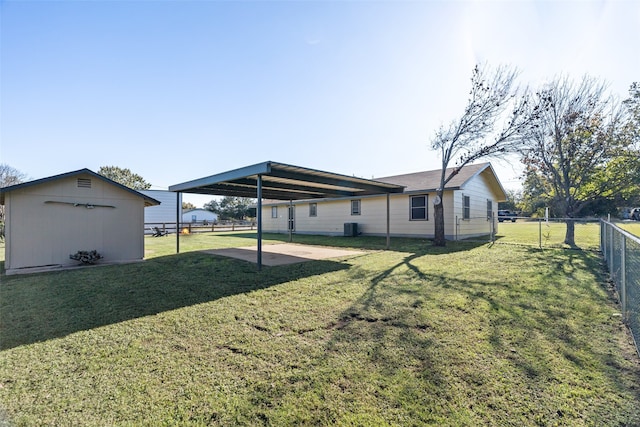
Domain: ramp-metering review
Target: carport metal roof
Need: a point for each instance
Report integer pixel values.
(285, 182)
(279, 181)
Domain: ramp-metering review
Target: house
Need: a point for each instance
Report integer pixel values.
(199, 216)
(470, 204)
(49, 219)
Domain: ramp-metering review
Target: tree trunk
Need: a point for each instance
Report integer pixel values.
(570, 236)
(438, 216)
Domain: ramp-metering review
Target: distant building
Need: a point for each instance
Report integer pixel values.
(199, 216)
(165, 212)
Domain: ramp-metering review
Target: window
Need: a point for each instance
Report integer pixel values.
(466, 207)
(194, 218)
(419, 208)
(274, 212)
(489, 209)
(355, 207)
(313, 209)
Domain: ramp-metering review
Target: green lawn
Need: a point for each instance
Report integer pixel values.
(631, 227)
(548, 234)
(469, 335)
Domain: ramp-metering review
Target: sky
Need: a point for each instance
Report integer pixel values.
(180, 90)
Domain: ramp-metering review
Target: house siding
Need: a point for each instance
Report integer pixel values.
(332, 214)
(40, 234)
(479, 191)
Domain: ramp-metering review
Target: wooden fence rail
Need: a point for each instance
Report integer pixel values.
(197, 227)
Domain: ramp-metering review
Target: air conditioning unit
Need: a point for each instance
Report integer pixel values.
(350, 229)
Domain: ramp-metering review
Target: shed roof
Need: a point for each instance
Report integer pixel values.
(285, 182)
(148, 201)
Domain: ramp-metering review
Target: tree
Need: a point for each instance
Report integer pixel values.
(124, 177)
(578, 137)
(9, 176)
(513, 201)
(231, 207)
(473, 135)
(188, 206)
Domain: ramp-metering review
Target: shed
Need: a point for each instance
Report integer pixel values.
(51, 218)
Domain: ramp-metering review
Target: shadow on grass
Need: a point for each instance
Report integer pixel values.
(461, 333)
(404, 244)
(40, 307)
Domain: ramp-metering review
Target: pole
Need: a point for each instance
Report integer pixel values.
(388, 224)
(178, 211)
(291, 221)
(259, 218)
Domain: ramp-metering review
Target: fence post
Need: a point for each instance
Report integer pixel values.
(610, 260)
(540, 233)
(623, 276)
(492, 229)
(457, 225)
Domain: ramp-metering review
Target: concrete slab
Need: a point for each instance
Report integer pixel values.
(284, 253)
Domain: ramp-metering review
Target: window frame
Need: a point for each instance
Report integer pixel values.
(413, 208)
(489, 209)
(466, 207)
(357, 204)
(274, 212)
(313, 209)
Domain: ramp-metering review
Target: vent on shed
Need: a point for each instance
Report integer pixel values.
(84, 183)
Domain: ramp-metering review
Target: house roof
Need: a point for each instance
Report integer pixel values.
(148, 201)
(285, 182)
(430, 180)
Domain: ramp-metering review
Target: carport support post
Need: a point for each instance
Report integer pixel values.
(291, 219)
(259, 218)
(178, 211)
(388, 222)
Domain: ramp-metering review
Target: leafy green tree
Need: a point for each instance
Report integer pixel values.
(231, 207)
(513, 201)
(124, 177)
(578, 137)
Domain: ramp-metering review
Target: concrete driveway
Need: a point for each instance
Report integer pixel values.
(284, 253)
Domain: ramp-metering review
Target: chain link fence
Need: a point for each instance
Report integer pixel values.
(621, 251)
(535, 232)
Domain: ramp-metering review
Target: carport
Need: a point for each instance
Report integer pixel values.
(279, 181)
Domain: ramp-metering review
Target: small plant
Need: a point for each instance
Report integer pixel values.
(86, 257)
(547, 234)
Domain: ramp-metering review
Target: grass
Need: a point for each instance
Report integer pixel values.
(468, 335)
(631, 227)
(548, 234)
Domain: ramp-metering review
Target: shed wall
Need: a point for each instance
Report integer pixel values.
(39, 233)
